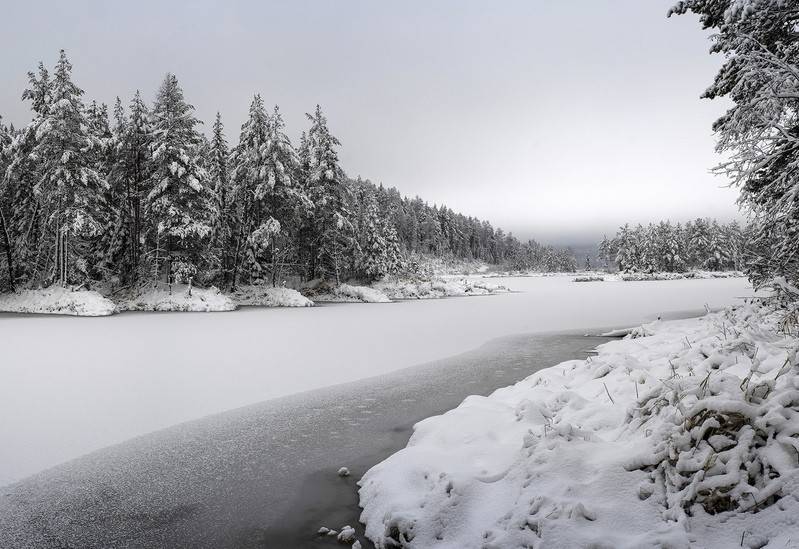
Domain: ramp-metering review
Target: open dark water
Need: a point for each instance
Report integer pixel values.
(262, 476)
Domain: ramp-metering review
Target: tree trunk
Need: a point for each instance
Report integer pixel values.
(9, 254)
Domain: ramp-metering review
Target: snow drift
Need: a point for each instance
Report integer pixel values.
(57, 300)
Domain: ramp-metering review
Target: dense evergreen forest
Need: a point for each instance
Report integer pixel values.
(663, 247)
(140, 195)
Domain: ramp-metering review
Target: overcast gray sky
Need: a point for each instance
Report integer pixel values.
(554, 120)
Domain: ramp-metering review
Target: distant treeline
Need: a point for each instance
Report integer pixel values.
(700, 244)
(146, 197)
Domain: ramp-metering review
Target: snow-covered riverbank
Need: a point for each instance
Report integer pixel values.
(683, 436)
(183, 298)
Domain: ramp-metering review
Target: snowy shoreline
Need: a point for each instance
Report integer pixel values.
(673, 436)
(57, 300)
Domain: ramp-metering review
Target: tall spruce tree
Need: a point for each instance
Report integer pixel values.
(285, 202)
(374, 249)
(69, 186)
(179, 205)
(331, 230)
(248, 174)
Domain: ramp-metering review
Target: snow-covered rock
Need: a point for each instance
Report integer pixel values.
(684, 434)
(347, 534)
(59, 301)
(344, 472)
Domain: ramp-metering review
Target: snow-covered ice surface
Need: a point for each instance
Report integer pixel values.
(73, 385)
(57, 300)
(180, 298)
(684, 434)
(264, 295)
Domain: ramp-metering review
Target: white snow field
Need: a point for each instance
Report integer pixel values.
(682, 435)
(74, 385)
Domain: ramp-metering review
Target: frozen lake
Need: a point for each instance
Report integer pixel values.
(74, 385)
(263, 476)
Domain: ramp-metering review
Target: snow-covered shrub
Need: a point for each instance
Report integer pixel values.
(724, 429)
(263, 295)
(322, 290)
(589, 279)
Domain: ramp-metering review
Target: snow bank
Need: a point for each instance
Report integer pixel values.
(432, 289)
(57, 300)
(268, 296)
(160, 299)
(684, 434)
(323, 291)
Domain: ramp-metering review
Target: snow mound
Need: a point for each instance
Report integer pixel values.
(59, 301)
(684, 434)
(160, 299)
(436, 288)
(268, 296)
(323, 291)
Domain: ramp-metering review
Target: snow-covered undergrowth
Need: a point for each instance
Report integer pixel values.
(269, 296)
(57, 300)
(684, 434)
(633, 277)
(439, 266)
(436, 288)
(324, 291)
(179, 299)
(596, 276)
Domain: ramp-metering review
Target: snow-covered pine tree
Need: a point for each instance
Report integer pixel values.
(248, 172)
(179, 204)
(135, 156)
(222, 243)
(284, 201)
(5, 205)
(605, 255)
(675, 249)
(430, 232)
(23, 210)
(69, 187)
(734, 245)
(626, 253)
(374, 252)
(39, 92)
(110, 248)
(759, 132)
(394, 262)
(331, 232)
